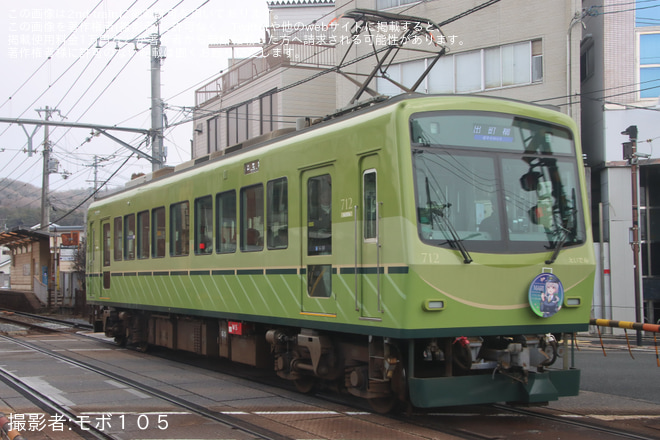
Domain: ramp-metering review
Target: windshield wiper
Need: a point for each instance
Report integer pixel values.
(558, 245)
(439, 210)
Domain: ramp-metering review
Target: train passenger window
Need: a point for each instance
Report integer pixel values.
(370, 210)
(204, 225)
(158, 232)
(319, 215)
(278, 214)
(225, 222)
(143, 235)
(180, 229)
(252, 218)
(129, 237)
(118, 239)
(107, 242)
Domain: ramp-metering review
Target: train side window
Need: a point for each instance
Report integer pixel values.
(107, 242)
(277, 214)
(118, 239)
(158, 232)
(252, 218)
(129, 237)
(204, 225)
(370, 208)
(225, 222)
(143, 235)
(180, 229)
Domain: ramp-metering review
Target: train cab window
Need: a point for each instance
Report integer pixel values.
(319, 215)
(370, 204)
(204, 225)
(119, 242)
(277, 214)
(252, 218)
(225, 222)
(158, 232)
(129, 237)
(180, 229)
(143, 235)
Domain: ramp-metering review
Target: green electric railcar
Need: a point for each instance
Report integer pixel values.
(434, 250)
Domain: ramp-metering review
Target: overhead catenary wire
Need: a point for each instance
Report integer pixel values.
(49, 58)
(98, 75)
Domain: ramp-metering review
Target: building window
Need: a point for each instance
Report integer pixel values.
(646, 14)
(649, 65)
(278, 214)
(266, 109)
(180, 229)
(204, 225)
(587, 65)
(473, 71)
(225, 211)
(386, 4)
(252, 218)
(238, 127)
(212, 133)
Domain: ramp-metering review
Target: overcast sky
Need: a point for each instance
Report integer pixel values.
(107, 86)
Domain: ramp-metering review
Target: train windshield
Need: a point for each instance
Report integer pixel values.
(491, 182)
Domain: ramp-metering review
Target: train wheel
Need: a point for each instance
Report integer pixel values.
(305, 384)
(383, 405)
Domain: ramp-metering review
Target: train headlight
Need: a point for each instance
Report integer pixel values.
(433, 305)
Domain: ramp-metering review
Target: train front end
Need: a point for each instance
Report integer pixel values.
(502, 264)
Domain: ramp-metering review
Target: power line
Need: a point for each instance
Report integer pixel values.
(50, 57)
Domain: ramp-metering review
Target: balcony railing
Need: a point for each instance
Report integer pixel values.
(295, 49)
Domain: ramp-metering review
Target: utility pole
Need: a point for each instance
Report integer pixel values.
(630, 153)
(45, 181)
(157, 53)
(96, 166)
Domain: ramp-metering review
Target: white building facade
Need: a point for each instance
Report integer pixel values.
(620, 79)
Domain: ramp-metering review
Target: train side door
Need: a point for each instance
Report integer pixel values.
(106, 248)
(317, 252)
(369, 269)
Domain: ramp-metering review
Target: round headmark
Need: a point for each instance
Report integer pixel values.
(546, 295)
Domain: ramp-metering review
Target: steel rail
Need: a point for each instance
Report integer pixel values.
(228, 420)
(573, 422)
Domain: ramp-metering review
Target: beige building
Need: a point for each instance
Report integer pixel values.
(270, 90)
(44, 264)
(621, 89)
(516, 49)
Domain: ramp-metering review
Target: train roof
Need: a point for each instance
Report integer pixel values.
(283, 134)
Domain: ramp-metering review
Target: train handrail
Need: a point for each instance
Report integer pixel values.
(356, 255)
(378, 206)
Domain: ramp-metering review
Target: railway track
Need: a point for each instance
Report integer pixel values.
(51, 405)
(581, 423)
(41, 323)
(480, 423)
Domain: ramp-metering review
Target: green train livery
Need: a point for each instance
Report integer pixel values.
(431, 250)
